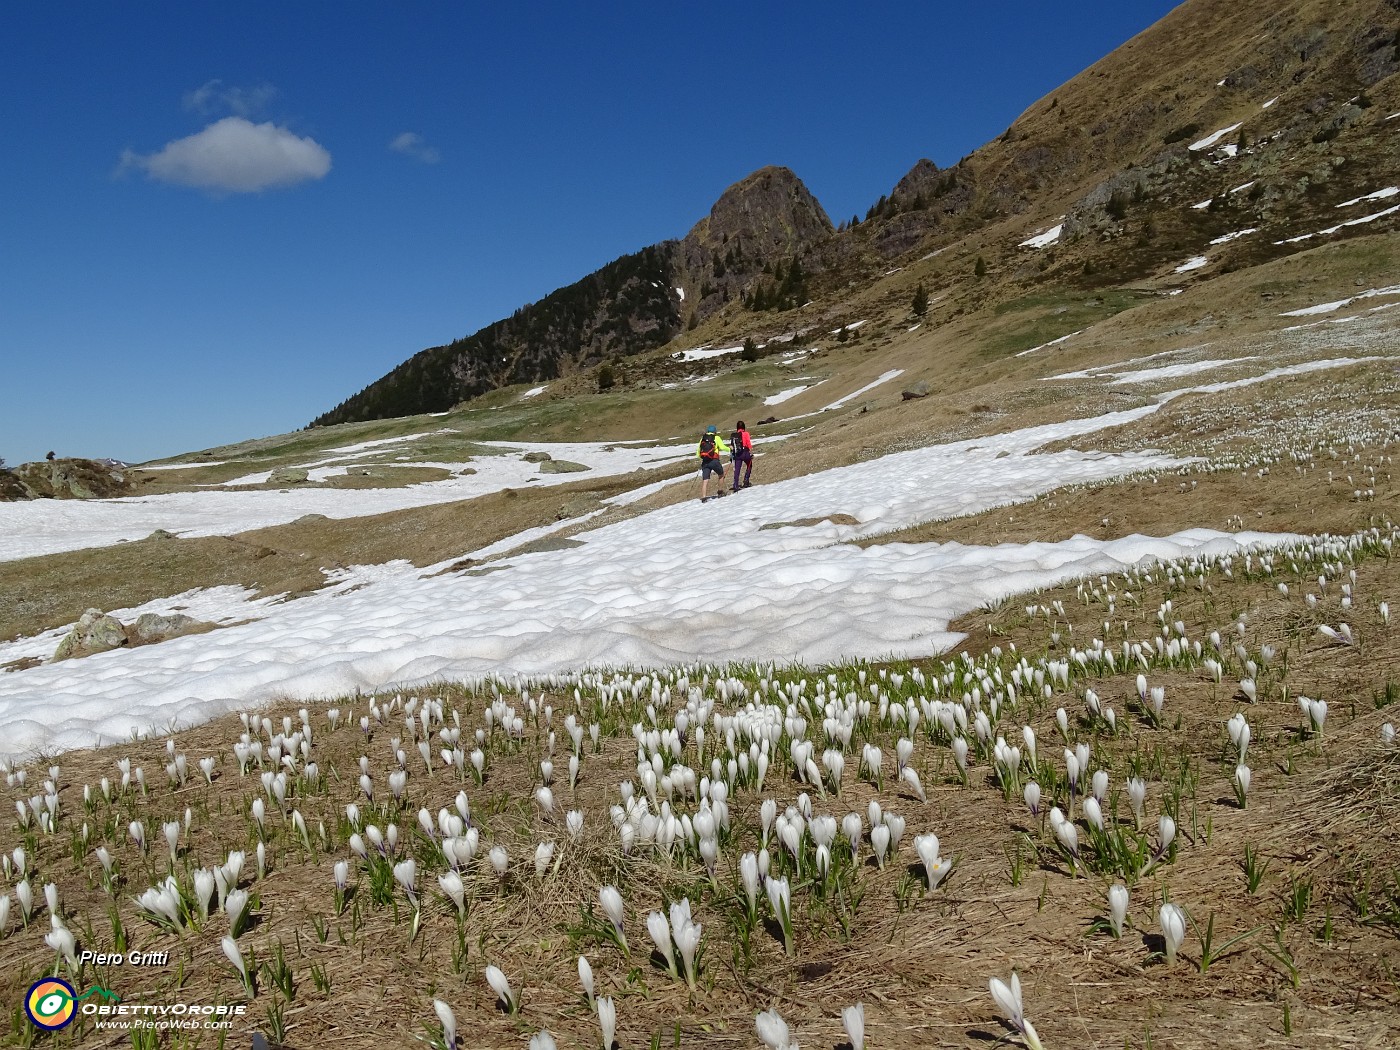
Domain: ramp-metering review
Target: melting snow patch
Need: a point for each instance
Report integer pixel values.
(1211, 139)
(847, 328)
(704, 352)
(1192, 264)
(1149, 375)
(535, 392)
(1044, 240)
(1342, 225)
(1379, 195)
(1328, 308)
(1271, 101)
(630, 595)
(1053, 342)
(185, 466)
(787, 395)
(35, 527)
(1234, 236)
(893, 373)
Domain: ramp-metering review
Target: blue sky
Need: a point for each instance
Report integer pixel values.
(221, 220)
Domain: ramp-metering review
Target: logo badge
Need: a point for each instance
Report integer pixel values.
(51, 1003)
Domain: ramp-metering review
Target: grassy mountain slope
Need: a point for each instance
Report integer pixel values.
(1302, 86)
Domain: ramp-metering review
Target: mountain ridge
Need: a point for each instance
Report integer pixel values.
(1111, 151)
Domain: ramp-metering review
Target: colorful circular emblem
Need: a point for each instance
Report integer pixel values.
(50, 1003)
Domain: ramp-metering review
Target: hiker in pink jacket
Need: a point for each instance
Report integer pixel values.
(742, 446)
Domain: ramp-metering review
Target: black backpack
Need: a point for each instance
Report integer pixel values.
(736, 442)
(707, 446)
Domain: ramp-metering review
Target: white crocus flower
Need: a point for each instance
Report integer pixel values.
(1137, 796)
(231, 952)
(204, 890)
(61, 940)
(1008, 1000)
(452, 886)
(544, 853)
(773, 1030)
(585, 978)
(1173, 923)
(660, 931)
(853, 1020)
(501, 986)
(1093, 813)
(448, 1020)
(880, 841)
(607, 1021)
(748, 875)
(611, 900)
(1117, 907)
(1032, 796)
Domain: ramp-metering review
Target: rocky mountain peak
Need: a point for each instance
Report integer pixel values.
(771, 213)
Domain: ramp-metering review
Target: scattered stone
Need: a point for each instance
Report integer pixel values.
(161, 534)
(287, 476)
(310, 519)
(537, 457)
(560, 466)
(765, 422)
(917, 390)
(95, 632)
(153, 627)
(465, 471)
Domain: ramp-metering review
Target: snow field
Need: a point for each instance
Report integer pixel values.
(663, 588)
(37, 527)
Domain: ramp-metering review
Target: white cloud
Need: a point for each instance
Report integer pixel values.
(411, 144)
(213, 96)
(234, 155)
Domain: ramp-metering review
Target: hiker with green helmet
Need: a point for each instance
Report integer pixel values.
(709, 450)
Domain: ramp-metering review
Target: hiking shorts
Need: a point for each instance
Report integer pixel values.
(711, 466)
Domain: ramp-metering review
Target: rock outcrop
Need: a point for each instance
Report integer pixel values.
(95, 632)
(65, 479)
(99, 632)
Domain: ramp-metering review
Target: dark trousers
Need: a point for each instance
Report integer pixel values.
(742, 458)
